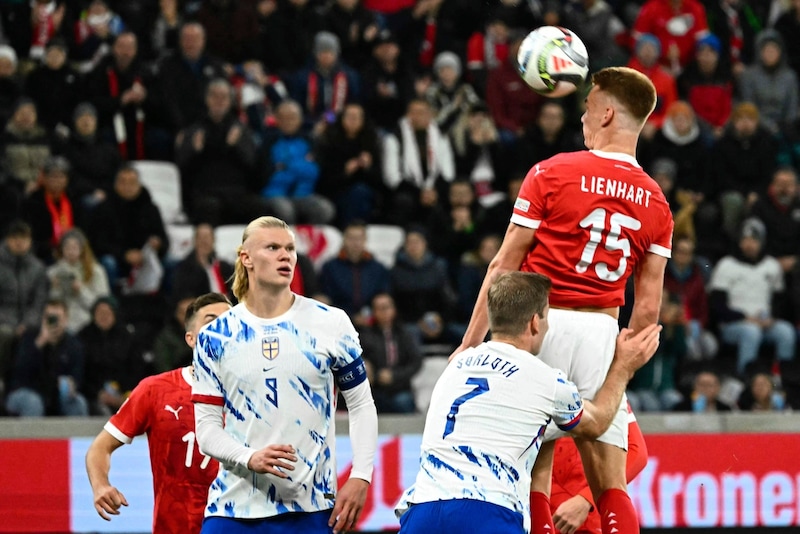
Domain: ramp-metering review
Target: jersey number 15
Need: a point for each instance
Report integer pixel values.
(596, 222)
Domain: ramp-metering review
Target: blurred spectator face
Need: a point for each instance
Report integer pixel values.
(55, 57)
(352, 119)
(683, 122)
(386, 52)
(124, 50)
(19, 245)
(784, 187)
(266, 7)
(707, 384)
(745, 126)
(488, 248)
(104, 316)
(298, 3)
(707, 59)
(354, 242)
(326, 59)
(551, 118)
(498, 31)
(86, 125)
(383, 310)
(218, 100)
(25, 117)
(289, 118)
(53, 310)
(415, 245)
(682, 253)
(55, 182)
(770, 54)
(181, 307)
(347, 5)
(71, 249)
(761, 387)
(204, 240)
(419, 115)
(447, 75)
(647, 54)
(192, 41)
(664, 181)
(461, 194)
(7, 67)
(750, 247)
(127, 184)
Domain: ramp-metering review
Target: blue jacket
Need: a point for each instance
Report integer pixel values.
(295, 173)
(351, 286)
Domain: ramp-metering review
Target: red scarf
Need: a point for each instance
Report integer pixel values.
(218, 284)
(296, 285)
(119, 121)
(60, 216)
(337, 100)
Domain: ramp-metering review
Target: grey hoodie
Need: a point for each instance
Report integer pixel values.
(773, 91)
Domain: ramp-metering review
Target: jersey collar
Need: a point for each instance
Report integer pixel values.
(616, 155)
(186, 373)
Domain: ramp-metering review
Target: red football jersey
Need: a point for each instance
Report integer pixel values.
(161, 407)
(596, 214)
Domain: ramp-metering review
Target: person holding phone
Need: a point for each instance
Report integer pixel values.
(48, 369)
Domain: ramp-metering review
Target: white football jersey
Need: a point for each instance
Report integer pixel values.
(485, 424)
(275, 380)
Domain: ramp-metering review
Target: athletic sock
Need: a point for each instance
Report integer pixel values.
(617, 515)
(541, 517)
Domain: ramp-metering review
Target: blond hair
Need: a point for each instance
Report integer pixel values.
(241, 284)
(629, 87)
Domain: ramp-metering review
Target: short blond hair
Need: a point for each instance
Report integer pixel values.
(241, 284)
(630, 88)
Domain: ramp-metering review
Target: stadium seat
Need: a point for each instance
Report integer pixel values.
(227, 239)
(383, 241)
(319, 242)
(163, 181)
(423, 382)
(181, 240)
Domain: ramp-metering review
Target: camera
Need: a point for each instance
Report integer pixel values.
(52, 319)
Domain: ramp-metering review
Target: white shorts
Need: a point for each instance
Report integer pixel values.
(582, 345)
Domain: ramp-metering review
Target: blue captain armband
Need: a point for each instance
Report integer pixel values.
(351, 375)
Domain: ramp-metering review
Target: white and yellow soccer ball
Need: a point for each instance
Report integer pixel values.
(553, 60)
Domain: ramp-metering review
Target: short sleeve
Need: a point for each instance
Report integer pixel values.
(530, 206)
(207, 385)
(662, 243)
(133, 417)
(568, 405)
(348, 366)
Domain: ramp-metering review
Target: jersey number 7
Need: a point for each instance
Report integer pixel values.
(481, 387)
(596, 222)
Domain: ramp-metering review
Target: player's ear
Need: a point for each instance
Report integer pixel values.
(534, 324)
(189, 338)
(244, 257)
(608, 116)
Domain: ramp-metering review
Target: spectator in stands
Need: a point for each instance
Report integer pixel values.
(683, 204)
(770, 84)
(748, 299)
(388, 82)
(48, 369)
(25, 145)
(761, 395)
(422, 291)
(417, 164)
(258, 93)
(10, 86)
(779, 210)
(677, 24)
(707, 85)
(487, 49)
(685, 278)
(471, 272)
(47, 20)
(354, 277)
(736, 23)
(653, 387)
(350, 166)
(742, 163)
(95, 31)
(184, 76)
(450, 98)
(704, 397)
(645, 60)
(23, 291)
(201, 271)
(603, 33)
(77, 279)
(231, 27)
(51, 210)
(392, 357)
(122, 90)
(114, 363)
(545, 138)
(326, 85)
(479, 157)
(301, 20)
(165, 31)
(93, 159)
(511, 102)
(127, 231)
(354, 25)
(788, 25)
(292, 172)
(219, 145)
(54, 86)
(170, 350)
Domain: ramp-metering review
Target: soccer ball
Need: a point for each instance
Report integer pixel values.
(552, 60)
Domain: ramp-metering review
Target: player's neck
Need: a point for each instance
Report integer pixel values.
(618, 142)
(267, 303)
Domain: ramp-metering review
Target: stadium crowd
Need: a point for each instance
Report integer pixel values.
(351, 113)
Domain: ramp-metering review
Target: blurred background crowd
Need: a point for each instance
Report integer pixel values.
(357, 114)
